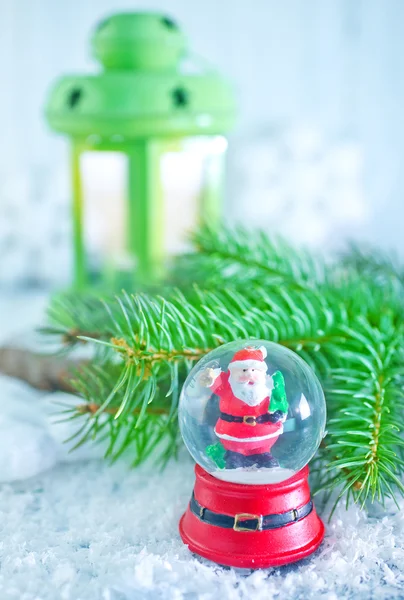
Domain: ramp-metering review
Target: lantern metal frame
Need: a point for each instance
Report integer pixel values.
(144, 103)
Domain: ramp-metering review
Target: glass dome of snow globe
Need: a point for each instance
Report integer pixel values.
(252, 412)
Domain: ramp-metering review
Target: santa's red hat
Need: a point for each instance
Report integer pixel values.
(249, 358)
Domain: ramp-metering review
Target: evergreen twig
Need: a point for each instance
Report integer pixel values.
(340, 318)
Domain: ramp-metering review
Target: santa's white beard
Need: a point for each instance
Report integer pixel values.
(250, 394)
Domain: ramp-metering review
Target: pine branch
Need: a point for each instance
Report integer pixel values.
(365, 402)
(139, 374)
(346, 324)
(374, 263)
(237, 255)
(76, 316)
(126, 421)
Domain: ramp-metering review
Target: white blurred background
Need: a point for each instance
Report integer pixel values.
(318, 151)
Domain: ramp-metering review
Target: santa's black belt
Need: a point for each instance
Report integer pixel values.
(248, 419)
(248, 521)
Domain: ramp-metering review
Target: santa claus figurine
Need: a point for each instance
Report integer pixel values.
(246, 509)
(253, 407)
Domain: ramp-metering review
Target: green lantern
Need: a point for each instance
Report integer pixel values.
(148, 147)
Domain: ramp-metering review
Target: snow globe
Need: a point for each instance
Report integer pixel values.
(252, 415)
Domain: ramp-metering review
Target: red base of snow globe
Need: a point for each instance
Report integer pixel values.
(251, 526)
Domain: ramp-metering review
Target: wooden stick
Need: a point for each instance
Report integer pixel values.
(43, 372)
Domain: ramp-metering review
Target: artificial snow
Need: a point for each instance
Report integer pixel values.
(89, 531)
(26, 446)
(32, 438)
(254, 476)
(31, 434)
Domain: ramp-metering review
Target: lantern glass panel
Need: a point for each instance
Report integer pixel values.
(104, 179)
(191, 177)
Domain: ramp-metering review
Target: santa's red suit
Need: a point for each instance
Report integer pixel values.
(245, 436)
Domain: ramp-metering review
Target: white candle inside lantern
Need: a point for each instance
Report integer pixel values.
(187, 172)
(104, 184)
